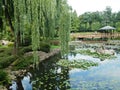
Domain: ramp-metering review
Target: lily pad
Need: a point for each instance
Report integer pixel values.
(82, 64)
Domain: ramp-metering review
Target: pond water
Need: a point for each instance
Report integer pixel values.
(105, 76)
(50, 76)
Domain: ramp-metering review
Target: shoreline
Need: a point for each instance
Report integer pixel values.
(21, 72)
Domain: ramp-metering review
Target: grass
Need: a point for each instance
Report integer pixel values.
(54, 47)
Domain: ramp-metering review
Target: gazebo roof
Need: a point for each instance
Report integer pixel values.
(107, 28)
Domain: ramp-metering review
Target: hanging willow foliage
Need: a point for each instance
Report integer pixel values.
(64, 26)
(35, 29)
(42, 16)
(17, 20)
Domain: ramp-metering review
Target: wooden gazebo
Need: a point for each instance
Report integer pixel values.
(107, 31)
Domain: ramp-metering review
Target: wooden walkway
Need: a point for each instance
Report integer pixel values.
(82, 36)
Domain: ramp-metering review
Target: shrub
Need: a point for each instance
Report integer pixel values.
(27, 41)
(23, 62)
(2, 50)
(25, 49)
(10, 44)
(3, 77)
(5, 52)
(6, 61)
(55, 42)
(45, 47)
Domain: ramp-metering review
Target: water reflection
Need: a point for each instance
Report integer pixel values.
(78, 56)
(26, 82)
(104, 77)
(22, 83)
(51, 77)
(13, 86)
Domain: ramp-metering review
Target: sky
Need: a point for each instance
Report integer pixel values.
(82, 6)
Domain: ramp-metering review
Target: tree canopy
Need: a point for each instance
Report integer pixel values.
(38, 20)
(92, 21)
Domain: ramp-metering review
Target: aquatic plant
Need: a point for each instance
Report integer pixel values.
(95, 54)
(82, 64)
(96, 85)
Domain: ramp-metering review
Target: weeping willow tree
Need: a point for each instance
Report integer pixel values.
(18, 13)
(1, 11)
(64, 23)
(6, 15)
(26, 13)
(48, 13)
(41, 16)
(35, 29)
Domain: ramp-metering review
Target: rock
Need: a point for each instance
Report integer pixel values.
(105, 51)
(5, 42)
(3, 88)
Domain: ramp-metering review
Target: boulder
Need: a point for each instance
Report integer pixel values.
(105, 51)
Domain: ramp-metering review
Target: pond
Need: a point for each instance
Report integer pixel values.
(105, 76)
(51, 76)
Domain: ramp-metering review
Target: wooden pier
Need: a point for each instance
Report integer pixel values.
(92, 36)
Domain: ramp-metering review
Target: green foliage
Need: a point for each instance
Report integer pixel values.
(6, 57)
(55, 42)
(3, 77)
(96, 26)
(32, 20)
(5, 50)
(93, 21)
(10, 44)
(95, 54)
(44, 47)
(82, 64)
(55, 47)
(65, 24)
(25, 49)
(74, 21)
(23, 62)
(118, 26)
(6, 61)
(26, 41)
